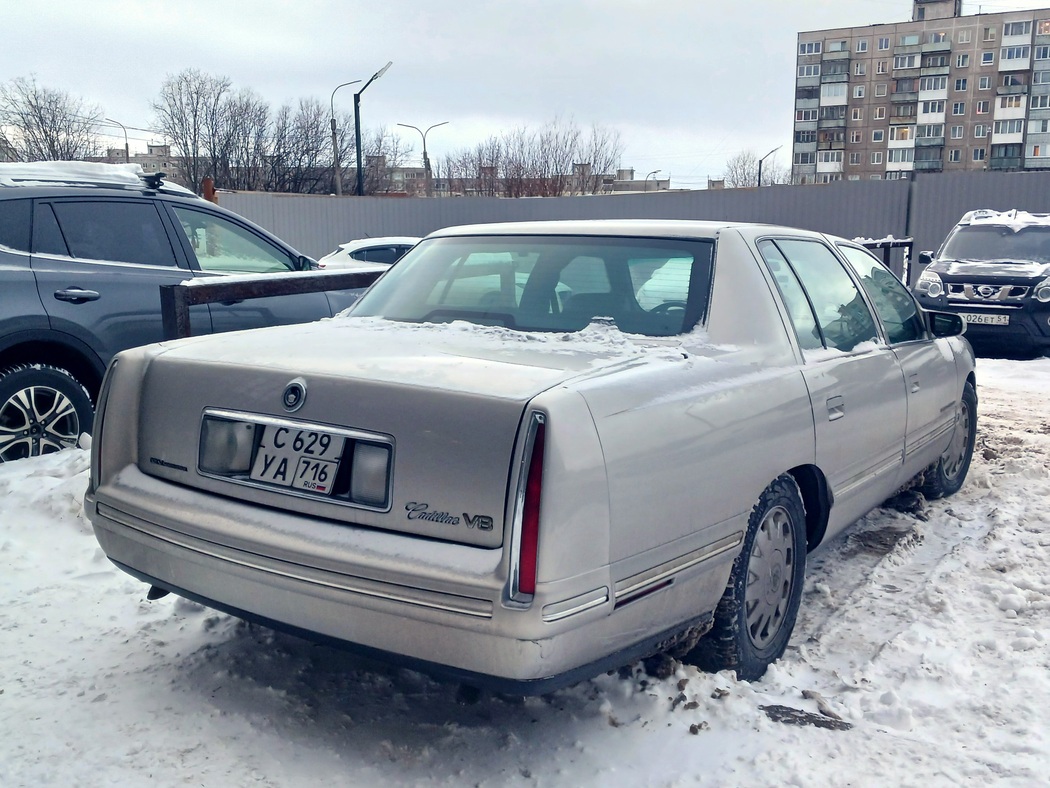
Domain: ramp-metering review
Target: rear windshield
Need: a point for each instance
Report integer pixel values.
(655, 287)
(999, 242)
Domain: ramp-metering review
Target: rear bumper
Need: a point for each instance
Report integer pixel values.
(447, 621)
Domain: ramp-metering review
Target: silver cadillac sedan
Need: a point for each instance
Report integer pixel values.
(533, 452)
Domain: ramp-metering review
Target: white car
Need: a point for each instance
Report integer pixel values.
(366, 252)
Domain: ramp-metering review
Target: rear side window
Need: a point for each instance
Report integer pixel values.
(379, 254)
(125, 232)
(14, 224)
(842, 316)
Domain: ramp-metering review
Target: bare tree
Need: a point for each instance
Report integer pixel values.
(189, 113)
(48, 124)
(382, 151)
(603, 151)
(247, 124)
(742, 171)
(300, 149)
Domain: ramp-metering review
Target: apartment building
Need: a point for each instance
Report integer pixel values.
(942, 92)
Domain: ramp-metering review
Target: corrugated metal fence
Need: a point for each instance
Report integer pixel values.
(923, 209)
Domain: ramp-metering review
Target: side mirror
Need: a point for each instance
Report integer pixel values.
(925, 258)
(304, 263)
(946, 324)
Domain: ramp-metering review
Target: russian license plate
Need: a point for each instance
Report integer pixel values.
(300, 459)
(983, 319)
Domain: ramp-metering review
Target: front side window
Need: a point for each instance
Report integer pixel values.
(893, 304)
(123, 231)
(222, 246)
(549, 283)
(838, 313)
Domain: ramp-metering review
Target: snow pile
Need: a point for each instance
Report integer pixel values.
(921, 657)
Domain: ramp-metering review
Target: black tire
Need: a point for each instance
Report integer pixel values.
(755, 617)
(43, 409)
(947, 475)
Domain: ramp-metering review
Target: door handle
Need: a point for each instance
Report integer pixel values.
(76, 295)
(836, 408)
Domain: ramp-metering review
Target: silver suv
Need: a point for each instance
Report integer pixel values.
(84, 249)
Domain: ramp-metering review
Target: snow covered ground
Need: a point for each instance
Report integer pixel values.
(927, 632)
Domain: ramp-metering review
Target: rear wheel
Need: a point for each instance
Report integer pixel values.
(755, 617)
(42, 409)
(947, 475)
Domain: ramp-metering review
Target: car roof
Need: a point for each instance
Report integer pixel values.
(622, 227)
(383, 240)
(51, 178)
(1013, 217)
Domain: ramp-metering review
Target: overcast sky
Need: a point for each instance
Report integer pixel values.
(687, 83)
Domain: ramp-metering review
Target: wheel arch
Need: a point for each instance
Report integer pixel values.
(77, 360)
(816, 497)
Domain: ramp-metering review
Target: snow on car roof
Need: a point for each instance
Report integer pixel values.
(53, 173)
(1015, 219)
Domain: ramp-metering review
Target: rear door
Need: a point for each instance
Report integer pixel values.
(855, 381)
(218, 245)
(99, 264)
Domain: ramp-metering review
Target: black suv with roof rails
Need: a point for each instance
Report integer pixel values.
(84, 249)
(993, 269)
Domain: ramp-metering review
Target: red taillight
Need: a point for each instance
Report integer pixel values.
(530, 521)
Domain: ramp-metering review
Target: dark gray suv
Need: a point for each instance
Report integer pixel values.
(84, 249)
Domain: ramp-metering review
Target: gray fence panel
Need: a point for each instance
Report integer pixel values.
(316, 224)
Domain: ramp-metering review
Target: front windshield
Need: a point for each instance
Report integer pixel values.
(999, 242)
(654, 287)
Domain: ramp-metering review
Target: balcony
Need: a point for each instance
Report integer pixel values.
(1011, 90)
(825, 78)
(940, 46)
(935, 71)
(1004, 163)
(842, 54)
(831, 123)
(928, 166)
(911, 49)
(928, 142)
(905, 97)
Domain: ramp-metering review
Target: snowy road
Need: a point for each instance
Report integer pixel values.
(928, 632)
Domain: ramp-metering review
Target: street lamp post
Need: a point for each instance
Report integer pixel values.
(338, 175)
(357, 125)
(127, 150)
(647, 177)
(426, 160)
(778, 147)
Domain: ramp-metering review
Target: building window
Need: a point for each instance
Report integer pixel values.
(862, 45)
(876, 177)
(929, 130)
(854, 159)
(1041, 77)
(1008, 126)
(938, 38)
(806, 158)
(884, 43)
(904, 111)
(1010, 102)
(876, 157)
(932, 107)
(805, 115)
(810, 48)
(1040, 102)
(1017, 28)
(960, 85)
(988, 34)
(1042, 53)
(857, 113)
(987, 58)
(898, 155)
(982, 107)
(905, 61)
(858, 91)
(1035, 150)
(959, 108)
(953, 154)
(1039, 126)
(964, 36)
(962, 61)
(880, 89)
(856, 136)
(837, 112)
(978, 154)
(879, 113)
(878, 135)
(837, 46)
(829, 157)
(880, 67)
(933, 83)
(904, 85)
(1013, 79)
(935, 61)
(980, 131)
(805, 136)
(809, 71)
(1014, 53)
(860, 69)
(957, 132)
(833, 90)
(984, 83)
(909, 40)
(901, 133)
